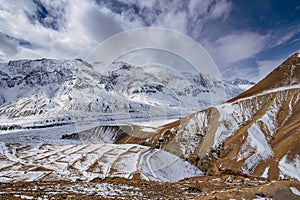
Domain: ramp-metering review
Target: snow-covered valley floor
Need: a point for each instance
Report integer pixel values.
(53, 134)
(90, 161)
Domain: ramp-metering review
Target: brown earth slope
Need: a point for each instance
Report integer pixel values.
(256, 133)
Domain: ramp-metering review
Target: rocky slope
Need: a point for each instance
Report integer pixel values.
(203, 187)
(245, 145)
(255, 133)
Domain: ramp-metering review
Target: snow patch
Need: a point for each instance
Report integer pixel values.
(228, 122)
(149, 129)
(24, 196)
(284, 88)
(295, 190)
(290, 169)
(266, 172)
(256, 142)
(87, 162)
(245, 86)
(189, 138)
(155, 123)
(163, 166)
(269, 119)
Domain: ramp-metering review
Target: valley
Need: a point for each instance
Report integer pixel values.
(89, 137)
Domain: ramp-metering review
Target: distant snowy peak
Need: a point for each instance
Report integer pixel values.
(151, 85)
(242, 83)
(23, 78)
(47, 90)
(154, 83)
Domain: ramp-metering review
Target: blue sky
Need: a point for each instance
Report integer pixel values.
(246, 39)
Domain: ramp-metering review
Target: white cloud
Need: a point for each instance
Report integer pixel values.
(250, 72)
(85, 27)
(266, 66)
(235, 47)
(8, 46)
(83, 24)
(167, 21)
(221, 9)
(210, 9)
(285, 38)
(197, 7)
(282, 36)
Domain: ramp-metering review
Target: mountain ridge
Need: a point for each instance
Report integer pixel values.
(51, 90)
(255, 133)
(284, 74)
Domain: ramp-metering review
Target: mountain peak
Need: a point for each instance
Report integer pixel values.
(240, 81)
(286, 74)
(293, 59)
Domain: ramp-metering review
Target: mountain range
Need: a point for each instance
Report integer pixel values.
(57, 118)
(46, 92)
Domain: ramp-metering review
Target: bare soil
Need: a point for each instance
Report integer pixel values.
(225, 186)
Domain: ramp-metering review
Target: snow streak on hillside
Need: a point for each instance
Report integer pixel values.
(87, 162)
(255, 133)
(243, 131)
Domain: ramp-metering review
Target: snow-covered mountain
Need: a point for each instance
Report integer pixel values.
(49, 92)
(161, 86)
(256, 133)
(242, 83)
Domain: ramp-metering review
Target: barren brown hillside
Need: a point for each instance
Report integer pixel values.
(256, 133)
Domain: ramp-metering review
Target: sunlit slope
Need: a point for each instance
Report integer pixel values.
(257, 133)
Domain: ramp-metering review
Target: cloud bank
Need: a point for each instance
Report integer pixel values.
(67, 29)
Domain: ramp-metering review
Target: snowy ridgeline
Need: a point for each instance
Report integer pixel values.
(43, 93)
(88, 162)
